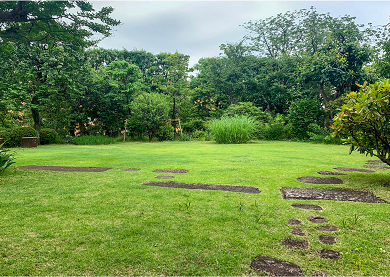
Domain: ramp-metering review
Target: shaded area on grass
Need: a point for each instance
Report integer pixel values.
(66, 168)
(244, 189)
(330, 194)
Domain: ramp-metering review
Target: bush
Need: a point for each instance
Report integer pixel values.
(248, 109)
(6, 135)
(193, 125)
(6, 158)
(18, 133)
(93, 140)
(237, 129)
(48, 136)
(165, 132)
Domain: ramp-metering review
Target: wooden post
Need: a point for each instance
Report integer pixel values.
(29, 142)
(124, 136)
(180, 126)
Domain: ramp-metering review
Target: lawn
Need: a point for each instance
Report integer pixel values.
(107, 223)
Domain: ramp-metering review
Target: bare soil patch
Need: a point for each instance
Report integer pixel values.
(317, 219)
(375, 162)
(320, 273)
(244, 189)
(132, 169)
(295, 243)
(298, 232)
(171, 171)
(330, 254)
(347, 169)
(319, 180)
(66, 168)
(307, 206)
(330, 194)
(293, 221)
(327, 239)
(274, 267)
(328, 228)
(164, 177)
(330, 173)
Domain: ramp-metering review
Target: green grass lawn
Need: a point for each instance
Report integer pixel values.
(77, 223)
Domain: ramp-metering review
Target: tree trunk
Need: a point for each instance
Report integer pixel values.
(35, 114)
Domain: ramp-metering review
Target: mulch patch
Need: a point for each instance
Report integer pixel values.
(295, 243)
(132, 169)
(66, 168)
(324, 172)
(171, 171)
(298, 232)
(330, 194)
(274, 267)
(328, 228)
(317, 219)
(244, 189)
(376, 167)
(353, 169)
(307, 207)
(319, 180)
(330, 254)
(293, 221)
(327, 239)
(164, 177)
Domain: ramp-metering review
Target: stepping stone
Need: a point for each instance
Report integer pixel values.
(171, 171)
(244, 189)
(319, 180)
(320, 273)
(274, 267)
(330, 194)
(330, 173)
(293, 221)
(327, 239)
(329, 228)
(164, 177)
(66, 168)
(376, 167)
(295, 243)
(330, 254)
(317, 219)
(375, 162)
(298, 232)
(132, 169)
(307, 207)
(353, 169)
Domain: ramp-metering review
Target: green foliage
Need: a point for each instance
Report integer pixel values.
(48, 136)
(18, 133)
(365, 120)
(165, 132)
(193, 125)
(6, 158)
(93, 140)
(6, 135)
(249, 110)
(237, 129)
(302, 113)
(149, 111)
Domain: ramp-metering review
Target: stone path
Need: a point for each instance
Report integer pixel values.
(353, 169)
(275, 267)
(320, 180)
(330, 173)
(164, 177)
(66, 168)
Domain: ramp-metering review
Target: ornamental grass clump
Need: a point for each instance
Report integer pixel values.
(237, 129)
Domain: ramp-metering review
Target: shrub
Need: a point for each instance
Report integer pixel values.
(248, 109)
(198, 134)
(364, 121)
(193, 125)
(237, 129)
(48, 136)
(6, 135)
(93, 140)
(18, 133)
(165, 132)
(6, 158)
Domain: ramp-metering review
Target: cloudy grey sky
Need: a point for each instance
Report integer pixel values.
(198, 28)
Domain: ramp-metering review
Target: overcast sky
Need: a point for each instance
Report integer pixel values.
(198, 28)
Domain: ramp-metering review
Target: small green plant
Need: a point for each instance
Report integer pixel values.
(6, 158)
(93, 140)
(237, 129)
(48, 136)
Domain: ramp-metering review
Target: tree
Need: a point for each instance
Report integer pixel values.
(364, 121)
(149, 111)
(53, 22)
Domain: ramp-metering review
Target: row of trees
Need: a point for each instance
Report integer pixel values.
(297, 61)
